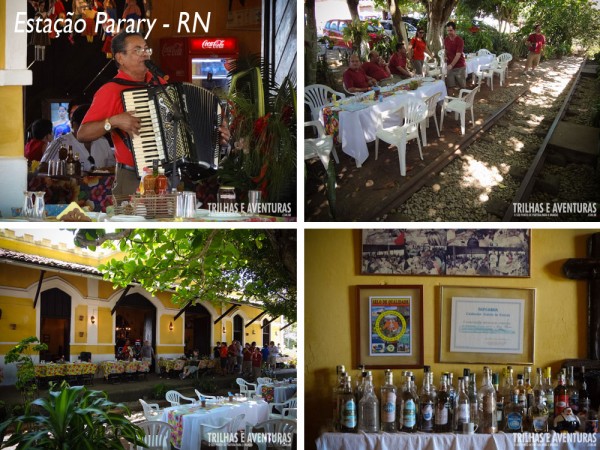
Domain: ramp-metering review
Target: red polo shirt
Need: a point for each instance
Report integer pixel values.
(397, 59)
(536, 42)
(356, 79)
(418, 46)
(452, 47)
(107, 103)
(374, 70)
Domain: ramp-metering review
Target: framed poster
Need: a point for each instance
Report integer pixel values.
(455, 252)
(487, 325)
(390, 326)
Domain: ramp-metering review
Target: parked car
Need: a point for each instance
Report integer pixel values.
(334, 29)
(388, 27)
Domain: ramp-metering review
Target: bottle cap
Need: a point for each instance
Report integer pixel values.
(161, 171)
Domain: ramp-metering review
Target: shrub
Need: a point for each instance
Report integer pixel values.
(159, 391)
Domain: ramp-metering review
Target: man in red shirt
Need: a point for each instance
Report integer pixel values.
(536, 42)
(454, 48)
(376, 67)
(355, 78)
(397, 62)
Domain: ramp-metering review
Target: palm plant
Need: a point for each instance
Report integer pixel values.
(263, 130)
(72, 417)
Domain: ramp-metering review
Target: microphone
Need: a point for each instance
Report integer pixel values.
(155, 70)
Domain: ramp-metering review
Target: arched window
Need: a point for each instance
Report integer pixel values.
(266, 332)
(238, 329)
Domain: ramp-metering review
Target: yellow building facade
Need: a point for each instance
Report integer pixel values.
(77, 311)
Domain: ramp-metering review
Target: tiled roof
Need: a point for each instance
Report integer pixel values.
(48, 263)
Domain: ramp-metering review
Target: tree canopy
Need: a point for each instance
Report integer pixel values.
(205, 265)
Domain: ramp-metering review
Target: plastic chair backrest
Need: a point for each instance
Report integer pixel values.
(415, 112)
(483, 52)
(149, 412)
(200, 395)
(442, 55)
(266, 380)
(470, 97)
(236, 423)
(277, 426)
(505, 58)
(431, 103)
(316, 95)
(157, 433)
(175, 398)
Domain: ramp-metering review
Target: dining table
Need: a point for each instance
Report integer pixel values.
(277, 392)
(186, 419)
(475, 63)
(355, 120)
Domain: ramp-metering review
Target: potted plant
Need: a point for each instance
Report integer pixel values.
(21, 355)
(73, 417)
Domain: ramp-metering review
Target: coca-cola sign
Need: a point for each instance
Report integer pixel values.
(174, 49)
(214, 45)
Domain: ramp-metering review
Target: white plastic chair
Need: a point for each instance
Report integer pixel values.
(291, 403)
(157, 435)
(483, 52)
(348, 93)
(278, 427)
(175, 398)
(503, 60)
(432, 69)
(415, 113)
(246, 389)
(151, 410)
(317, 95)
(459, 106)
(226, 426)
(431, 103)
(206, 397)
(321, 146)
(486, 71)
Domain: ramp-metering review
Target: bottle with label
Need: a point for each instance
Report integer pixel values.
(338, 390)
(149, 182)
(360, 382)
(388, 403)
(584, 400)
(549, 391)
(442, 416)
(409, 408)
(514, 414)
(451, 393)
(473, 399)
(561, 395)
(499, 400)
(508, 386)
(426, 404)
(462, 407)
(528, 387)
(77, 163)
(538, 413)
(522, 394)
(572, 390)
(161, 183)
(368, 408)
(70, 163)
(348, 419)
(488, 418)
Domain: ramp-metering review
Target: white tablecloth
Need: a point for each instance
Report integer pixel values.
(255, 412)
(357, 128)
(281, 392)
(446, 441)
(475, 62)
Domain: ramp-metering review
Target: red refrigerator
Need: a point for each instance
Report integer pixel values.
(199, 60)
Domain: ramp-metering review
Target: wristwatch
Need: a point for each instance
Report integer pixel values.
(107, 125)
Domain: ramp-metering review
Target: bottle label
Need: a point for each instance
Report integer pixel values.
(574, 403)
(349, 414)
(462, 413)
(388, 408)
(513, 421)
(489, 404)
(427, 411)
(441, 415)
(560, 403)
(409, 414)
(539, 423)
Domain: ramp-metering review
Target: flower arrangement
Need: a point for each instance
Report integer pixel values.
(263, 132)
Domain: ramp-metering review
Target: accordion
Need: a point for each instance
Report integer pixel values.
(193, 143)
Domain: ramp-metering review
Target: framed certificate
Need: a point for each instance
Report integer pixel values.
(390, 326)
(487, 325)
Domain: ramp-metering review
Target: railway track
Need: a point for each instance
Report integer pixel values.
(510, 168)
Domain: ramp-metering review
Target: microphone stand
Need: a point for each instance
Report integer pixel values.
(177, 120)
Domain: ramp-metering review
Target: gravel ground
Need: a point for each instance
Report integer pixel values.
(469, 188)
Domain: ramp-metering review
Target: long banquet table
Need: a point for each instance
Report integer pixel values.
(445, 441)
(277, 392)
(359, 121)
(186, 419)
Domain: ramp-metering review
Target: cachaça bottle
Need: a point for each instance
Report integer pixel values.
(360, 382)
(368, 408)
(338, 390)
(488, 418)
(584, 400)
(527, 382)
(538, 413)
(462, 407)
(388, 403)
(561, 395)
(514, 414)
(426, 404)
(499, 400)
(473, 399)
(451, 393)
(572, 390)
(409, 408)
(549, 390)
(442, 415)
(348, 419)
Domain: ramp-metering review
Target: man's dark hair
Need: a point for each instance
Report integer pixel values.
(451, 25)
(119, 42)
(399, 45)
(41, 128)
(79, 114)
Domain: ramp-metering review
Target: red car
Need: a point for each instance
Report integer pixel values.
(334, 30)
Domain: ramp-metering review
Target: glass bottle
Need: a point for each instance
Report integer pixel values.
(462, 407)
(521, 393)
(426, 403)
(348, 408)
(451, 393)
(442, 415)
(584, 396)
(538, 413)
(572, 390)
(161, 184)
(149, 182)
(561, 395)
(528, 387)
(70, 163)
(368, 408)
(473, 399)
(388, 403)
(337, 392)
(549, 390)
(409, 408)
(77, 163)
(514, 413)
(507, 388)
(499, 400)
(488, 418)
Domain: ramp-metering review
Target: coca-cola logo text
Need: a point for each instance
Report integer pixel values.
(175, 49)
(216, 44)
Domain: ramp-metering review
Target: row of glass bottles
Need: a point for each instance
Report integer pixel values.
(514, 408)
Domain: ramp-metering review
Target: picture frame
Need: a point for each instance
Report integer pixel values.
(451, 252)
(390, 326)
(487, 325)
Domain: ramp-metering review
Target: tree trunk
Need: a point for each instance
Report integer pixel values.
(353, 7)
(396, 13)
(438, 13)
(310, 43)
